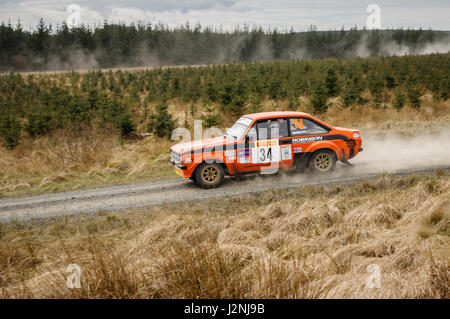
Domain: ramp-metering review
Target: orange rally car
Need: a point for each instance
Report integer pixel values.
(265, 142)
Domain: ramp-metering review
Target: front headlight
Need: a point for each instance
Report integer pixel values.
(175, 157)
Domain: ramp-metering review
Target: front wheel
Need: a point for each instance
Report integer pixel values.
(323, 161)
(209, 175)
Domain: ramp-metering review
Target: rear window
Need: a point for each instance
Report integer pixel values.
(302, 126)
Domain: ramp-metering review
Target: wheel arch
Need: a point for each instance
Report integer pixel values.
(322, 149)
(210, 161)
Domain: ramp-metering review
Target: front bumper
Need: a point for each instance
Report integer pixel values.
(178, 165)
(179, 168)
(179, 171)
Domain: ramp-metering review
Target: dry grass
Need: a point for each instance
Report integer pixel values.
(68, 161)
(430, 117)
(315, 242)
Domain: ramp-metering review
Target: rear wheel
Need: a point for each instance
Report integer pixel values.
(209, 175)
(323, 161)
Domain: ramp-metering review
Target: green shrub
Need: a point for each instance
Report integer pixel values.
(125, 124)
(10, 129)
(255, 105)
(115, 112)
(78, 110)
(331, 83)
(414, 95)
(39, 123)
(319, 99)
(211, 118)
(399, 100)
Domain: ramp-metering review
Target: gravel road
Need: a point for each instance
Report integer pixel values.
(117, 198)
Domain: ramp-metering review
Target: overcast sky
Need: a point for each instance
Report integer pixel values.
(299, 14)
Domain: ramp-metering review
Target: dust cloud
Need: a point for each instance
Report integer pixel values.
(392, 48)
(145, 56)
(391, 152)
(384, 153)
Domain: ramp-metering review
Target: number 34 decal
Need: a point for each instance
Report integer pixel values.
(263, 156)
(266, 154)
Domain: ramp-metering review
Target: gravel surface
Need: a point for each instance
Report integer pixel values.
(121, 197)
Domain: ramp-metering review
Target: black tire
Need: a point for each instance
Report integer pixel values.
(322, 161)
(209, 175)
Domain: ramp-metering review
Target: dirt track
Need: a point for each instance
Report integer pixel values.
(173, 190)
(384, 154)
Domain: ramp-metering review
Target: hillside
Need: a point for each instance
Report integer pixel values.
(117, 45)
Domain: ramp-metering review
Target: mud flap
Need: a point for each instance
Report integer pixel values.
(344, 159)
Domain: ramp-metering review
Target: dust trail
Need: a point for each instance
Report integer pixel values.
(392, 152)
(383, 153)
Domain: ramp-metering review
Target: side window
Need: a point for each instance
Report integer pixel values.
(278, 128)
(263, 131)
(273, 128)
(301, 126)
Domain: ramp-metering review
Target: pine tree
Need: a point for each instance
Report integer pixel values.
(38, 123)
(125, 124)
(375, 84)
(211, 118)
(192, 110)
(399, 100)
(331, 83)
(162, 123)
(255, 105)
(414, 95)
(10, 129)
(293, 103)
(115, 112)
(351, 92)
(319, 98)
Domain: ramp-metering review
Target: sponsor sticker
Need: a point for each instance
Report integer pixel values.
(244, 160)
(286, 153)
(243, 153)
(231, 158)
(297, 150)
(230, 153)
(356, 135)
(267, 143)
(245, 121)
(306, 139)
(298, 132)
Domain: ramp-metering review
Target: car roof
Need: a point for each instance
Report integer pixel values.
(263, 115)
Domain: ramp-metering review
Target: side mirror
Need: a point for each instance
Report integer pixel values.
(247, 139)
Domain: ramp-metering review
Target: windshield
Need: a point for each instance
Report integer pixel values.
(238, 128)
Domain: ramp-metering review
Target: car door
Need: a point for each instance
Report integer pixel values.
(263, 149)
(304, 131)
(265, 152)
(282, 127)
